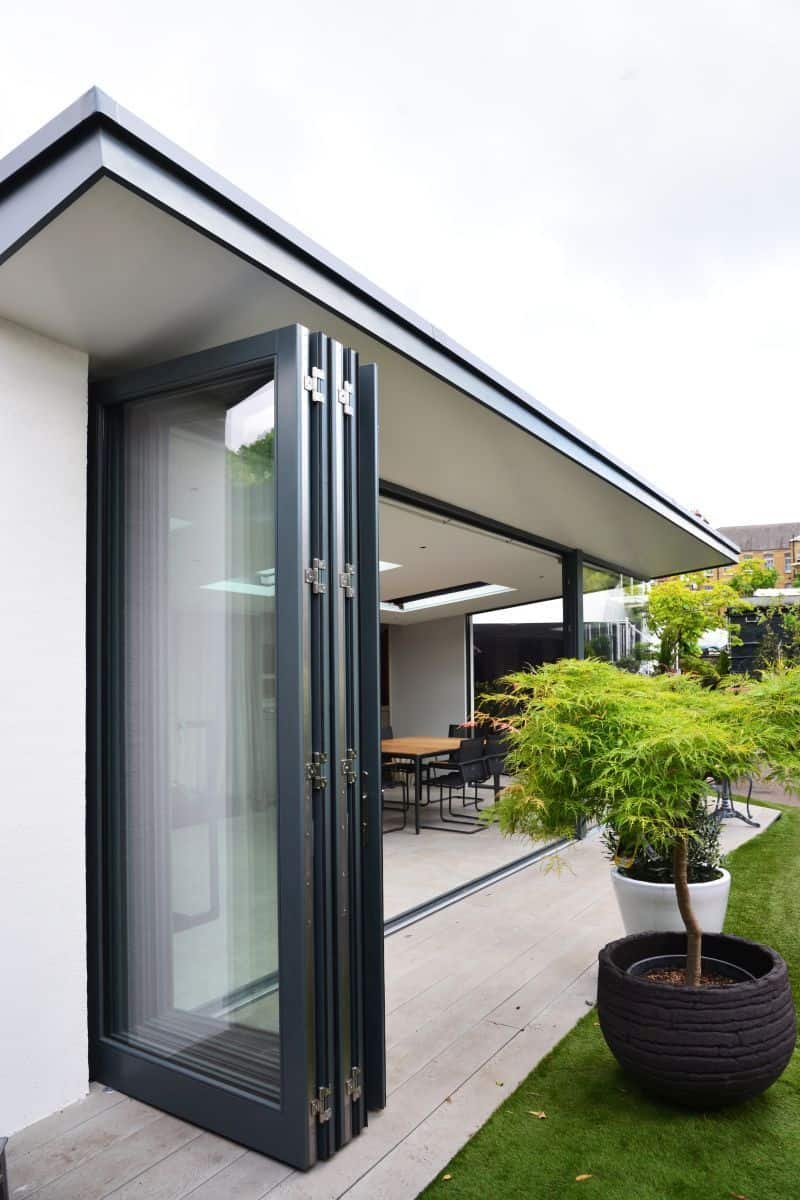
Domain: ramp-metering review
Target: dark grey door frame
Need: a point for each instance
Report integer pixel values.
(290, 1131)
(370, 707)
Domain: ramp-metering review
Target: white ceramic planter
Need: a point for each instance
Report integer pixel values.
(653, 906)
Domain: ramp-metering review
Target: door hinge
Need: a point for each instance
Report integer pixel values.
(311, 384)
(315, 770)
(349, 766)
(345, 397)
(315, 575)
(347, 580)
(352, 1085)
(320, 1105)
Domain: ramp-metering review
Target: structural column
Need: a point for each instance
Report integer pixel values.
(573, 603)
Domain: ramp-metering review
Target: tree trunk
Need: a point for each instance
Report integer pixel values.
(694, 934)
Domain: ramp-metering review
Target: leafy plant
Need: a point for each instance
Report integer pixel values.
(590, 742)
(704, 857)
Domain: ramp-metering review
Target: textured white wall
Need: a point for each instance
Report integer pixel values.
(43, 410)
(427, 676)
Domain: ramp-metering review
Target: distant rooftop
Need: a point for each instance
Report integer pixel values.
(751, 538)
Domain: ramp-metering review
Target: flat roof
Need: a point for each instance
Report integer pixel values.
(87, 141)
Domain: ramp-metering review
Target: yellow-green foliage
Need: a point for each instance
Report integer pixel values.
(635, 751)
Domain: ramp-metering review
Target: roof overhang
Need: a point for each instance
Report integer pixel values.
(114, 240)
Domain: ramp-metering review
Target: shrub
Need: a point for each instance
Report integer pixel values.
(589, 742)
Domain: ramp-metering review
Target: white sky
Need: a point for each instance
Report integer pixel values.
(600, 199)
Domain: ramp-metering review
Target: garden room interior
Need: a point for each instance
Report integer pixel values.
(461, 607)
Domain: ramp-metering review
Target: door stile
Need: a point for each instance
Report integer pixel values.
(297, 936)
(340, 761)
(354, 1085)
(369, 692)
(318, 664)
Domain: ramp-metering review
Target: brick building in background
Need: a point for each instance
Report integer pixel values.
(778, 545)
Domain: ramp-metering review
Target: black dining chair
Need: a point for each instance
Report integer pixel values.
(496, 751)
(466, 768)
(394, 773)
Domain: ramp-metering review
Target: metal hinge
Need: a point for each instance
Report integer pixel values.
(349, 766)
(345, 397)
(315, 575)
(310, 383)
(347, 580)
(315, 770)
(320, 1105)
(352, 1085)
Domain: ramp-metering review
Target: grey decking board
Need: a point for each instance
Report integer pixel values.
(121, 1162)
(250, 1177)
(78, 1145)
(180, 1173)
(39, 1133)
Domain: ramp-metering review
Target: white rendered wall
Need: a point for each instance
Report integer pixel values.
(427, 676)
(43, 411)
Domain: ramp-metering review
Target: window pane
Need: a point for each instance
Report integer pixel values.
(615, 619)
(196, 980)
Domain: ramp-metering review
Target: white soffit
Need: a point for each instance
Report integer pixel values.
(437, 554)
(120, 278)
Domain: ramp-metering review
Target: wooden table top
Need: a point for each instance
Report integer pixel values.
(413, 747)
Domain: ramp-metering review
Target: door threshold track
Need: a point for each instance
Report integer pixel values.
(412, 915)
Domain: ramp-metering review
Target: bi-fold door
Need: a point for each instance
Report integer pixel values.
(234, 833)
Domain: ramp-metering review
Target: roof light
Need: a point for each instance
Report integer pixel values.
(457, 596)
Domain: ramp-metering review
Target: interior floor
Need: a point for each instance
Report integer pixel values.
(420, 868)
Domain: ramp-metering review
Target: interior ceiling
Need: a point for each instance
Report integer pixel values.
(130, 284)
(434, 554)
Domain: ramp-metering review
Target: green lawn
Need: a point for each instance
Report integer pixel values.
(599, 1123)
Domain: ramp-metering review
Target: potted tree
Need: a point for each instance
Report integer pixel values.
(703, 1021)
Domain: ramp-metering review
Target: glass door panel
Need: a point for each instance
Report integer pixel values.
(203, 889)
(200, 983)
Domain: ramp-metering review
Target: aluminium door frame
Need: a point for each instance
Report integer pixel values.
(289, 1129)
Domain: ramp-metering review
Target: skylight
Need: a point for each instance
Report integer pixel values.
(456, 596)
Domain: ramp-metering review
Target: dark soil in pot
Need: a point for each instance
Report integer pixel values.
(703, 1047)
(671, 969)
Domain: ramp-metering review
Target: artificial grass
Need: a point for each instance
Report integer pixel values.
(600, 1124)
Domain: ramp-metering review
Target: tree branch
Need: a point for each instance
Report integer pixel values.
(694, 934)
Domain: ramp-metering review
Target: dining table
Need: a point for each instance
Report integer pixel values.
(417, 750)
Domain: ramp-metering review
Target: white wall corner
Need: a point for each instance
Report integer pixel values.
(43, 440)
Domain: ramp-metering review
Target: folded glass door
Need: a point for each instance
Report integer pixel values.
(217, 984)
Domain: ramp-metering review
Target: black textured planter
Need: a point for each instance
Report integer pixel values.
(702, 1047)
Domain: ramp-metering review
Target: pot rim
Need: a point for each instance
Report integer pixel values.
(778, 964)
(647, 883)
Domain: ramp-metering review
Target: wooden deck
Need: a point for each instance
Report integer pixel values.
(476, 995)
